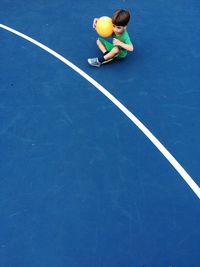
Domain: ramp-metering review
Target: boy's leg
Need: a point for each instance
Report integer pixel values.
(107, 57)
(104, 45)
(112, 54)
(101, 46)
(109, 53)
(109, 50)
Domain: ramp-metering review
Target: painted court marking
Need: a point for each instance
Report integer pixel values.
(188, 179)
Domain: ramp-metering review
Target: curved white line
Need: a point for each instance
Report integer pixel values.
(141, 126)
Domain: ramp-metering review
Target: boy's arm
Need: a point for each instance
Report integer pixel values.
(128, 47)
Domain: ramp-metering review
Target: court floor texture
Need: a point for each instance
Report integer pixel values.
(99, 167)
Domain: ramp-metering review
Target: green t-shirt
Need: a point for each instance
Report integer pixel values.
(124, 37)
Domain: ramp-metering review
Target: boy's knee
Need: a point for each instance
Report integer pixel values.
(98, 42)
(115, 50)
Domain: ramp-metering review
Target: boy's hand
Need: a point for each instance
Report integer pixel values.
(95, 23)
(128, 47)
(117, 42)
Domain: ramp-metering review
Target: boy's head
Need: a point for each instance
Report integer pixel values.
(120, 17)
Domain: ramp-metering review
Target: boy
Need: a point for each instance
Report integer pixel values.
(121, 42)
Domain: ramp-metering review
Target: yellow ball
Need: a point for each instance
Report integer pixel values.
(104, 26)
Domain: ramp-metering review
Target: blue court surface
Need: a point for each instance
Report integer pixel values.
(80, 184)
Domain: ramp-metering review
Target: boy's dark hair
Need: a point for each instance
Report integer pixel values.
(120, 17)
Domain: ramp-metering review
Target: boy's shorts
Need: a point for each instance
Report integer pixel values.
(108, 46)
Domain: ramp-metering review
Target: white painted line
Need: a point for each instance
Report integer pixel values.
(138, 123)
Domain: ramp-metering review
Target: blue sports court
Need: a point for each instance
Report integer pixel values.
(99, 167)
